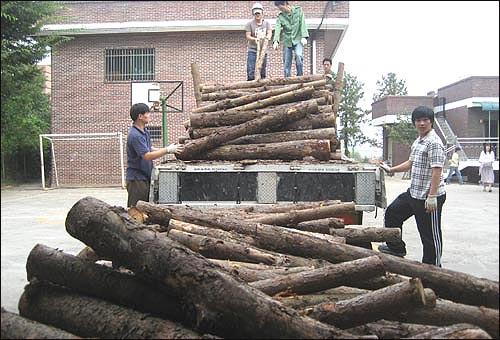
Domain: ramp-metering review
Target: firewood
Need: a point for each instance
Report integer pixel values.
(15, 326)
(371, 306)
(457, 331)
(230, 308)
(195, 147)
(285, 136)
(329, 295)
(322, 278)
(91, 317)
(367, 234)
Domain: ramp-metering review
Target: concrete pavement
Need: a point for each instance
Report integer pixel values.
(31, 216)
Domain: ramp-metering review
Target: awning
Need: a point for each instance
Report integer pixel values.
(486, 106)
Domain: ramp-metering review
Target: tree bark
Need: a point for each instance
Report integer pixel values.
(260, 57)
(329, 295)
(94, 318)
(448, 284)
(195, 147)
(231, 308)
(367, 234)
(322, 278)
(338, 88)
(312, 121)
(207, 88)
(48, 264)
(15, 326)
(457, 331)
(371, 306)
(291, 150)
(284, 136)
(447, 313)
(195, 73)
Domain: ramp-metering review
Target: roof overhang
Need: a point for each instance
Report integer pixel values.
(383, 120)
(175, 26)
(486, 106)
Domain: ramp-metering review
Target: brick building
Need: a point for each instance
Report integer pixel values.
(466, 115)
(116, 44)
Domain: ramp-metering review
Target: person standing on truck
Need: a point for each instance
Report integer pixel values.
(426, 195)
(140, 155)
(257, 30)
(454, 163)
(329, 74)
(292, 24)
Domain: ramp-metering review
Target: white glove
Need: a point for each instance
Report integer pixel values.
(172, 148)
(303, 41)
(385, 167)
(275, 45)
(431, 203)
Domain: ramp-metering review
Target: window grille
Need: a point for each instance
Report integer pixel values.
(130, 64)
(155, 132)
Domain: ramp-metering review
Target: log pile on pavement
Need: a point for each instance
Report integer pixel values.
(244, 273)
(290, 118)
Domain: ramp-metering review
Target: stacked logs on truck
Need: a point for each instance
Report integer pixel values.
(286, 119)
(253, 272)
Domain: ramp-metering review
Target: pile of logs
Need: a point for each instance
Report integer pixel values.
(283, 271)
(290, 118)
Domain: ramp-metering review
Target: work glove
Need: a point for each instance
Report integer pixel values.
(303, 41)
(431, 203)
(385, 167)
(275, 45)
(172, 148)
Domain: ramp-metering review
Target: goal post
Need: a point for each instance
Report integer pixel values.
(84, 159)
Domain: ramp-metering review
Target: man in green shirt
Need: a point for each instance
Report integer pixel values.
(292, 25)
(329, 74)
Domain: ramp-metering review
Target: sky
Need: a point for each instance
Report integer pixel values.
(428, 44)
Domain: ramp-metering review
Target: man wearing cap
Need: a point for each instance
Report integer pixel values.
(257, 30)
(292, 25)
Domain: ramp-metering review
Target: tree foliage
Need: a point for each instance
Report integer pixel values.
(390, 86)
(403, 131)
(25, 108)
(351, 116)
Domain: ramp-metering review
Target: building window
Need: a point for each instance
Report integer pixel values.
(155, 132)
(130, 64)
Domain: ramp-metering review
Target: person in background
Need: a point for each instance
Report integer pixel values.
(140, 155)
(486, 159)
(426, 195)
(329, 74)
(291, 24)
(257, 30)
(454, 162)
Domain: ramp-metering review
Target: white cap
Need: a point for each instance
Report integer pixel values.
(257, 8)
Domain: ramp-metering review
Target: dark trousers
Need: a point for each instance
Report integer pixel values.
(137, 191)
(251, 61)
(428, 224)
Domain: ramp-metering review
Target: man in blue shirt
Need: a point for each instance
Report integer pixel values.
(140, 155)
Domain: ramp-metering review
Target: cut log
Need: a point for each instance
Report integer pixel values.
(457, 331)
(447, 313)
(339, 81)
(257, 125)
(319, 279)
(371, 306)
(15, 326)
(291, 150)
(221, 95)
(311, 121)
(284, 136)
(230, 308)
(214, 248)
(48, 264)
(260, 57)
(195, 73)
(207, 88)
(323, 224)
(367, 234)
(448, 284)
(329, 295)
(94, 318)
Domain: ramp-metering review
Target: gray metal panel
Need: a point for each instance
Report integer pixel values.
(267, 185)
(167, 189)
(365, 188)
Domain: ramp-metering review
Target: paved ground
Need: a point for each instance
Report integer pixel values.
(31, 216)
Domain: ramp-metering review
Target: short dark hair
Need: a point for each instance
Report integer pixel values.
(422, 112)
(327, 59)
(137, 109)
(458, 148)
(280, 3)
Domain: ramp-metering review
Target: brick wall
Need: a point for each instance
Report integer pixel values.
(83, 102)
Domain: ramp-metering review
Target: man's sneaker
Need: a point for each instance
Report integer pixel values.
(384, 248)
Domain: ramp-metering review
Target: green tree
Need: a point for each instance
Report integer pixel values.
(403, 131)
(351, 116)
(390, 86)
(25, 109)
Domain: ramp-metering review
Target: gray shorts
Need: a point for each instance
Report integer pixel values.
(137, 191)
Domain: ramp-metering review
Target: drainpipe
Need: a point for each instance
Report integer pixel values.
(314, 66)
(444, 107)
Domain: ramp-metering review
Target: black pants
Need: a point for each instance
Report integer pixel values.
(428, 224)
(137, 191)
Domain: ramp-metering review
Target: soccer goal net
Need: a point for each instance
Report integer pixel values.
(82, 159)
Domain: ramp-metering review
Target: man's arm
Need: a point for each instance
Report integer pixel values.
(436, 178)
(405, 166)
